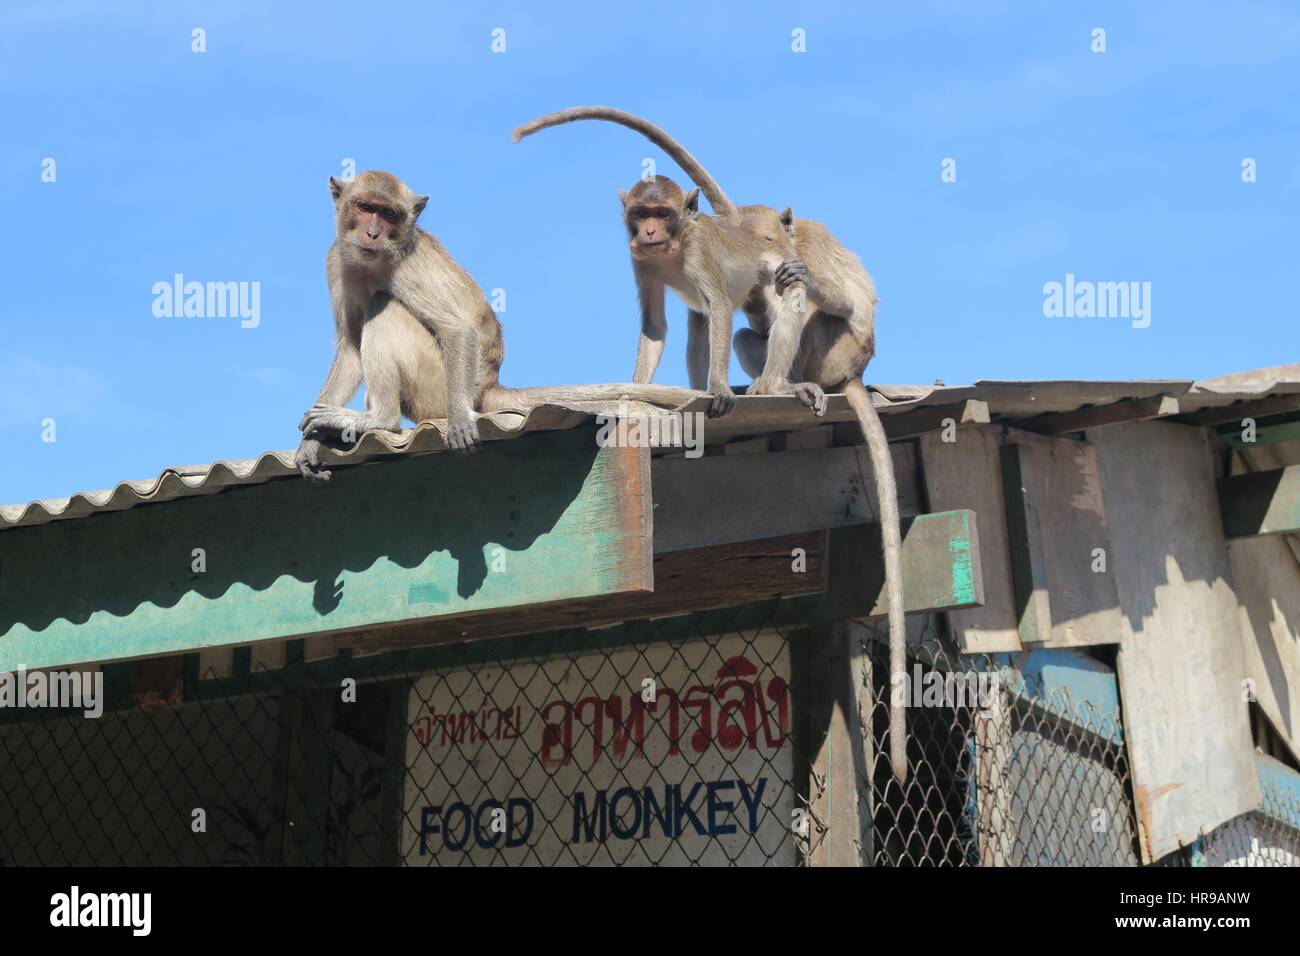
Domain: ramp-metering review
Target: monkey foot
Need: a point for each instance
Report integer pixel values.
(462, 437)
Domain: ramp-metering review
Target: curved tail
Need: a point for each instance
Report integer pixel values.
(891, 539)
(690, 165)
(524, 399)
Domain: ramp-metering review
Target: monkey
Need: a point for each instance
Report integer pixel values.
(787, 349)
(415, 327)
(714, 263)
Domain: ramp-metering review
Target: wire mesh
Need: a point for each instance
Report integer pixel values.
(695, 741)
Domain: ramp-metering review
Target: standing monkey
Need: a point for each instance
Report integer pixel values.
(715, 263)
(780, 267)
(417, 329)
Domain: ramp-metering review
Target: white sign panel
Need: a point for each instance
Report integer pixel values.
(669, 753)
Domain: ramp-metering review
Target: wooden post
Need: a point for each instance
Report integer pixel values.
(838, 747)
(995, 827)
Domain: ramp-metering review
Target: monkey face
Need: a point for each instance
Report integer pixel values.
(652, 229)
(653, 211)
(376, 215)
(373, 226)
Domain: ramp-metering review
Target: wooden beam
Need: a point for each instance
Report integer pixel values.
(1263, 502)
(720, 499)
(685, 582)
(940, 572)
(523, 524)
(1025, 542)
(1099, 416)
(932, 418)
(1222, 414)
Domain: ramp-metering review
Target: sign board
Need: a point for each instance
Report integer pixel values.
(668, 753)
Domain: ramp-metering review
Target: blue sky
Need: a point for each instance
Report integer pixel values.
(1115, 166)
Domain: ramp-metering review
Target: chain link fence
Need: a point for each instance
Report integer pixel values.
(692, 741)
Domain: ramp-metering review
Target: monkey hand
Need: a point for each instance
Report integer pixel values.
(307, 458)
(724, 400)
(462, 437)
(790, 271)
(811, 394)
(320, 418)
(768, 386)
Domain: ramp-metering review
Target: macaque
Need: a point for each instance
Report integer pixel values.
(416, 328)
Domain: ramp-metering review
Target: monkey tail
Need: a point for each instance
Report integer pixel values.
(882, 463)
(722, 206)
(525, 399)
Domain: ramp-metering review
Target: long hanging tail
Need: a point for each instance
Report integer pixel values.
(523, 399)
(690, 165)
(891, 539)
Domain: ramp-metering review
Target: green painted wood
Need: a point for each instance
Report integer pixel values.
(941, 567)
(1267, 432)
(524, 523)
(1264, 502)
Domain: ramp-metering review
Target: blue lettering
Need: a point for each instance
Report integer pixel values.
(595, 823)
(615, 818)
(428, 816)
(717, 806)
(684, 809)
(752, 805)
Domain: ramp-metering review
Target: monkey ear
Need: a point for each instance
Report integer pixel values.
(787, 217)
(418, 206)
(622, 197)
(336, 189)
(692, 203)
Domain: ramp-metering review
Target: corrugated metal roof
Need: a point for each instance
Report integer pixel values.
(1007, 401)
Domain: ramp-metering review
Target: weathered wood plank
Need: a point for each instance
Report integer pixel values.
(967, 473)
(685, 581)
(940, 571)
(1180, 663)
(521, 524)
(820, 437)
(941, 566)
(1239, 411)
(721, 499)
(933, 417)
(1260, 503)
(838, 707)
(1117, 413)
(1083, 605)
(1025, 544)
(1266, 578)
